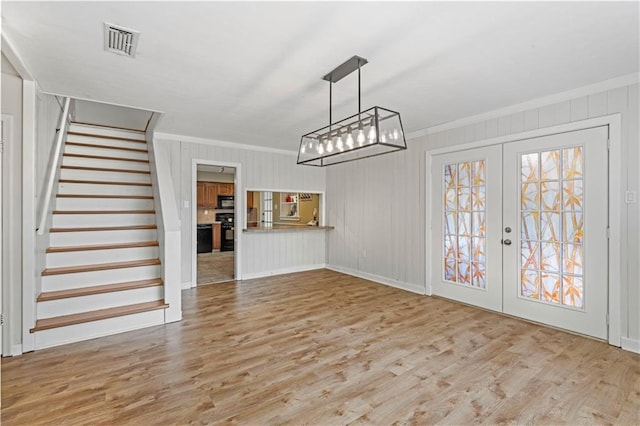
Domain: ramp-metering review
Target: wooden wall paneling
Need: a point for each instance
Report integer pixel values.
(504, 126)
(531, 119)
(597, 104)
(580, 108)
(492, 128)
(562, 112)
(516, 123)
(633, 210)
(546, 116)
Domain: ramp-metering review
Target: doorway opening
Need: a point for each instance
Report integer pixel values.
(215, 223)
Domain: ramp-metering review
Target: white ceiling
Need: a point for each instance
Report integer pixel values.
(251, 72)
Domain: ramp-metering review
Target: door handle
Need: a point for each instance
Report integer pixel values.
(506, 242)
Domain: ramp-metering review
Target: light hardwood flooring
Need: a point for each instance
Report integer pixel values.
(215, 267)
(321, 348)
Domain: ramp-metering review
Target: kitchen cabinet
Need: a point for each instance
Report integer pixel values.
(207, 195)
(225, 189)
(216, 236)
(289, 206)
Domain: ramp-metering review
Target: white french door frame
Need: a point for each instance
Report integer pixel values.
(617, 257)
(239, 207)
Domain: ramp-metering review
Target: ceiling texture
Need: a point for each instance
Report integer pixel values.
(251, 72)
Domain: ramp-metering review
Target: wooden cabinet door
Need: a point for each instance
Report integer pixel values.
(211, 195)
(225, 189)
(201, 196)
(216, 236)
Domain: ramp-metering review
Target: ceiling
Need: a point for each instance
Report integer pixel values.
(251, 72)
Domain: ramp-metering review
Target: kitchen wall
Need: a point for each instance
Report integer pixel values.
(378, 205)
(265, 253)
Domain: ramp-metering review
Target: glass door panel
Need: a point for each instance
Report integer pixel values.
(555, 198)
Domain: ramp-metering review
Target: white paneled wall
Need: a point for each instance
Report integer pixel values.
(378, 204)
(262, 253)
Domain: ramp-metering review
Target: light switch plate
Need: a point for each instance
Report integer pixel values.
(630, 197)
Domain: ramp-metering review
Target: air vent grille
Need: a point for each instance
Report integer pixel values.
(120, 40)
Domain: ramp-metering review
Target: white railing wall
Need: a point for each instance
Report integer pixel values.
(168, 224)
(53, 170)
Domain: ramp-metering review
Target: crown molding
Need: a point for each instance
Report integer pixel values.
(222, 144)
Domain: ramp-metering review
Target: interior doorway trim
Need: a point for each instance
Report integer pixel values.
(239, 207)
(617, 238)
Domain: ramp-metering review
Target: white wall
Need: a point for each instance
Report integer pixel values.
(378, 204)
(12, 211)
(215, 177)
(262, 254)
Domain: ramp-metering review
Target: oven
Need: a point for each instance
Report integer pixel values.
(227, 231)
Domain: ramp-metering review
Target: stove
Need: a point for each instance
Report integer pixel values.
(227, 230)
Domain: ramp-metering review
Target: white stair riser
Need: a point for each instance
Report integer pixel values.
(106, 131)
(104, 152)
(69, 281)
(90, 330)
(104, 176)
(63, 239)
(99, 162)
(93, 220)
(75, 305)
(90, 188)
(103, 141)
(91, 257)
(103, 204)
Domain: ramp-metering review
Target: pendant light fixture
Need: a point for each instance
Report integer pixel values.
(368, 133)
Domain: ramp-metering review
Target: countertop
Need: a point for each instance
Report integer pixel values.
(286, 228)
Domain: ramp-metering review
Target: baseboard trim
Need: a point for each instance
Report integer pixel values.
(402, 285)
(631, 345)
(282, 271)
(16, 350)
(186, 286)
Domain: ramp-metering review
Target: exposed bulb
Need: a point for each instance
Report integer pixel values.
(349, 140)
(339, 143)
(383, 137)
(360, 137)
(395, 134)
(303, 149)
(372, 134)
(320, 148)
(329, 145)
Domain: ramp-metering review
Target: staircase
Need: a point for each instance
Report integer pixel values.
(102, 272)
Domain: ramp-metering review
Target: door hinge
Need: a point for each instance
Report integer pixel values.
(607, 318)
(608, 144)
(1, 319)
(608, 232)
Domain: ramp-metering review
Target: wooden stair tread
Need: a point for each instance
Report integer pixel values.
(103, 157)
(104, 228)
(103, 182)
(104, 211)
(65, 320)
(93, 135)
(105, 169)
(100, 267)
(98, 289)
(137, 197)
(92, 145)
(104, 126)
(66, 249)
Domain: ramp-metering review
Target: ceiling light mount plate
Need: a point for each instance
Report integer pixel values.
(344, 69)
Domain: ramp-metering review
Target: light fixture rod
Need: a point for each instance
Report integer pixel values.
(330, 107)
(359, 104)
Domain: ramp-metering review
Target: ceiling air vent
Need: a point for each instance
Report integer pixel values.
(120, 40)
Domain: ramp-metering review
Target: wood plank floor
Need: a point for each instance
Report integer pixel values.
(321, 348)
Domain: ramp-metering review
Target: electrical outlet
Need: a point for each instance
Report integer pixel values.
(630, 197)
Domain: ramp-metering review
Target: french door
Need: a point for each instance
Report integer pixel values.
(521, 228)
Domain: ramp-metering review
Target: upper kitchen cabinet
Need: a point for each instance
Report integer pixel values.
(207, 193)
(225, 189)
(289, 206)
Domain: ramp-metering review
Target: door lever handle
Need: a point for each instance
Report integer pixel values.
(506, 242)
